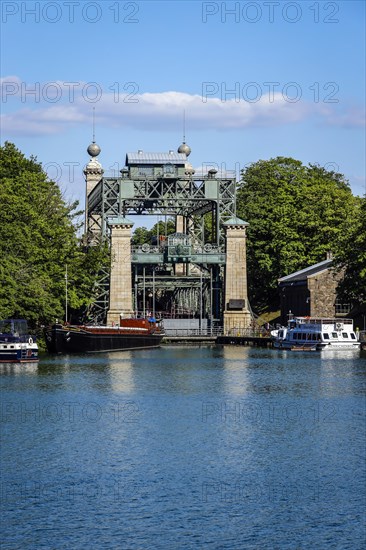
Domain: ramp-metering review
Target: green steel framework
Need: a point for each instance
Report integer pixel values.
(189, 196)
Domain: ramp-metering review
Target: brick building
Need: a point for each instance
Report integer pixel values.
(311, 292)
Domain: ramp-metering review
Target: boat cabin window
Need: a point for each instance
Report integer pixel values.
(325, 336)
(13, 326)
(353, 336)
(5, 327)
(344, 334)
(335, 335)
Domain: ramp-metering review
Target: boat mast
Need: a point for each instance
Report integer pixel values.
(66, 298)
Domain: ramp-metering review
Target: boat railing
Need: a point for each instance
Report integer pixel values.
(321, 320)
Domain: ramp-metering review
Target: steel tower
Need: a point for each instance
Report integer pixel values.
(199, 271)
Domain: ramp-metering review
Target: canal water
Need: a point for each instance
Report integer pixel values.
(184, 448)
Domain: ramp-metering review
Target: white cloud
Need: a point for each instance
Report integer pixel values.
(161, 110)
(10, 79)
(352, 118)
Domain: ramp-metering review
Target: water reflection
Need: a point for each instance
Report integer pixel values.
(223, 447)
(16, 369)
(236, 362)
(121, 365)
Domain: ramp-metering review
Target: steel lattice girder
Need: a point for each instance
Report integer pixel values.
(191, 197)
(188, 289)
(114, 196)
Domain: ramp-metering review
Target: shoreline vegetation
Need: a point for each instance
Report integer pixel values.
(296, 215)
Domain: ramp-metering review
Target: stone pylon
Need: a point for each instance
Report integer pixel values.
(93, 173)
(237, 315)
(120, 293)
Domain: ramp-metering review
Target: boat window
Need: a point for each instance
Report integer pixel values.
(335, 335)
(353, 336)
(5, 327)
(13, 326)
(344, 334)
(325, 336)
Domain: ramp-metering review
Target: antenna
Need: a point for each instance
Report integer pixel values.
(93, 124)
(184, 148)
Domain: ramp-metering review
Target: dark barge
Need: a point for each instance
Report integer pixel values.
(130, 334)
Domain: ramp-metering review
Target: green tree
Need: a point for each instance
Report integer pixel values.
(296, 214)
(163, 228)
(143, 235)
(350, 256)
(38, 237)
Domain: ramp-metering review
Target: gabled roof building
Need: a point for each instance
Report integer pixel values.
(312, 292)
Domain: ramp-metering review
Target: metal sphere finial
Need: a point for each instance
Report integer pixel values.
(94, 149)
(185, 149)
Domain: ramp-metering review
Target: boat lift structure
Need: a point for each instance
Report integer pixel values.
(199, 271)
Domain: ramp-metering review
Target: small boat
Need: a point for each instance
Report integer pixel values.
(313, 333)
(130, 334)
(16, 344)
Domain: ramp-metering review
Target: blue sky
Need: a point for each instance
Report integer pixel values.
(255, 79)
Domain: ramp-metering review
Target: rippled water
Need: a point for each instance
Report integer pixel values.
(185, 447)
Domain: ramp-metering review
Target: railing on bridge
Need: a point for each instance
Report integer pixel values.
(193, 332)
(217, 331)
(250, 332)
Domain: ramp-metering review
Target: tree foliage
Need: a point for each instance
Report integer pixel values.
(143, 235)
(38, 238)
(296, 214)
(350, 256)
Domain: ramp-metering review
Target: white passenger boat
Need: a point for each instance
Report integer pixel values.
(313, 333)
(16, 344)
